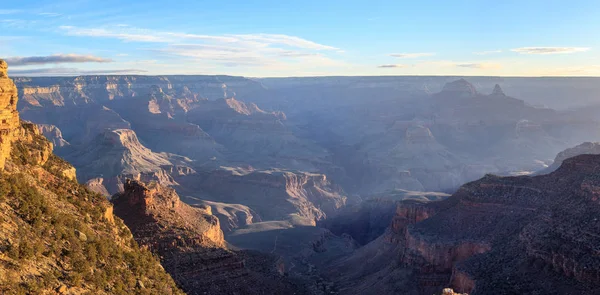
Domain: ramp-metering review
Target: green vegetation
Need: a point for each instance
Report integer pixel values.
(56, 165)
(55, 234)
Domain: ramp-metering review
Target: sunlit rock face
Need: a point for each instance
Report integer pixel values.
(9, 117)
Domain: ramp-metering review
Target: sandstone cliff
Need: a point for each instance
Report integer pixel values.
(9, 117)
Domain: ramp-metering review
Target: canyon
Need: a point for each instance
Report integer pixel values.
(329, 185)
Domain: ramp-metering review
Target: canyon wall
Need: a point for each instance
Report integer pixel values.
(9, 117)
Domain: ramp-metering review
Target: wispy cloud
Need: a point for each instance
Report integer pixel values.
(9, 11)
(478, 65)
(481, 66)
(49, 14)
(549, 50)
(131, 34)
(265, 50)
(487, 52)
(54, 59)
(412, 55)
(588, 70)
(72, 72)
(391, 66)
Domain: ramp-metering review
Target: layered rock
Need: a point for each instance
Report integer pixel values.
(273, 194)
(592, 148)
(54, 135)
(57, 237)
(145, 207)
(231, 216)
(9, 117)
(99, 89)
(118, 154)
(255, 136)
(190, 244)
(507, 235)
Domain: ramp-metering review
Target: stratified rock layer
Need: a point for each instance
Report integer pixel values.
(497, 235)
(190, 244)
(9, 117)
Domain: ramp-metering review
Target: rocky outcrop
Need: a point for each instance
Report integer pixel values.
(9, 117)
(98, 89)
(231, 216)
(273, 194)
(159, 204)
(498, 91)
(592, 148)
(505, 235)
(53, 134)
(459, 88)
(57, 237)
(255, 136)
(191, 247)
(116, 155)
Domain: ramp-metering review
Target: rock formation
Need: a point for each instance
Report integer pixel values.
(460, 88)
(592, 148)
(273, 194)
(153, 208)
(369, 134)
(498, 91)
(9, 117)
(56, 236)
(53, 134)
(231, 216)
(506, 235)
(116, 155)
(190, 244)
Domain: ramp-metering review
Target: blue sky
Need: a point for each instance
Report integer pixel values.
(302, 38)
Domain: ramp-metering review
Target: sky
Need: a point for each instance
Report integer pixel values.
(261, 38)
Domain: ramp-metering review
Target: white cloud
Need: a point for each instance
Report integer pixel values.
(54, 59)
(60, 71)
(588, 70)
(391, 66)
(135, 35)
(412, 55)
(481, 66)
(49, 14)
(291, 41)
(487, 52)
(549, 50)
(254, 50)
(127, 33)
(9, 11)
